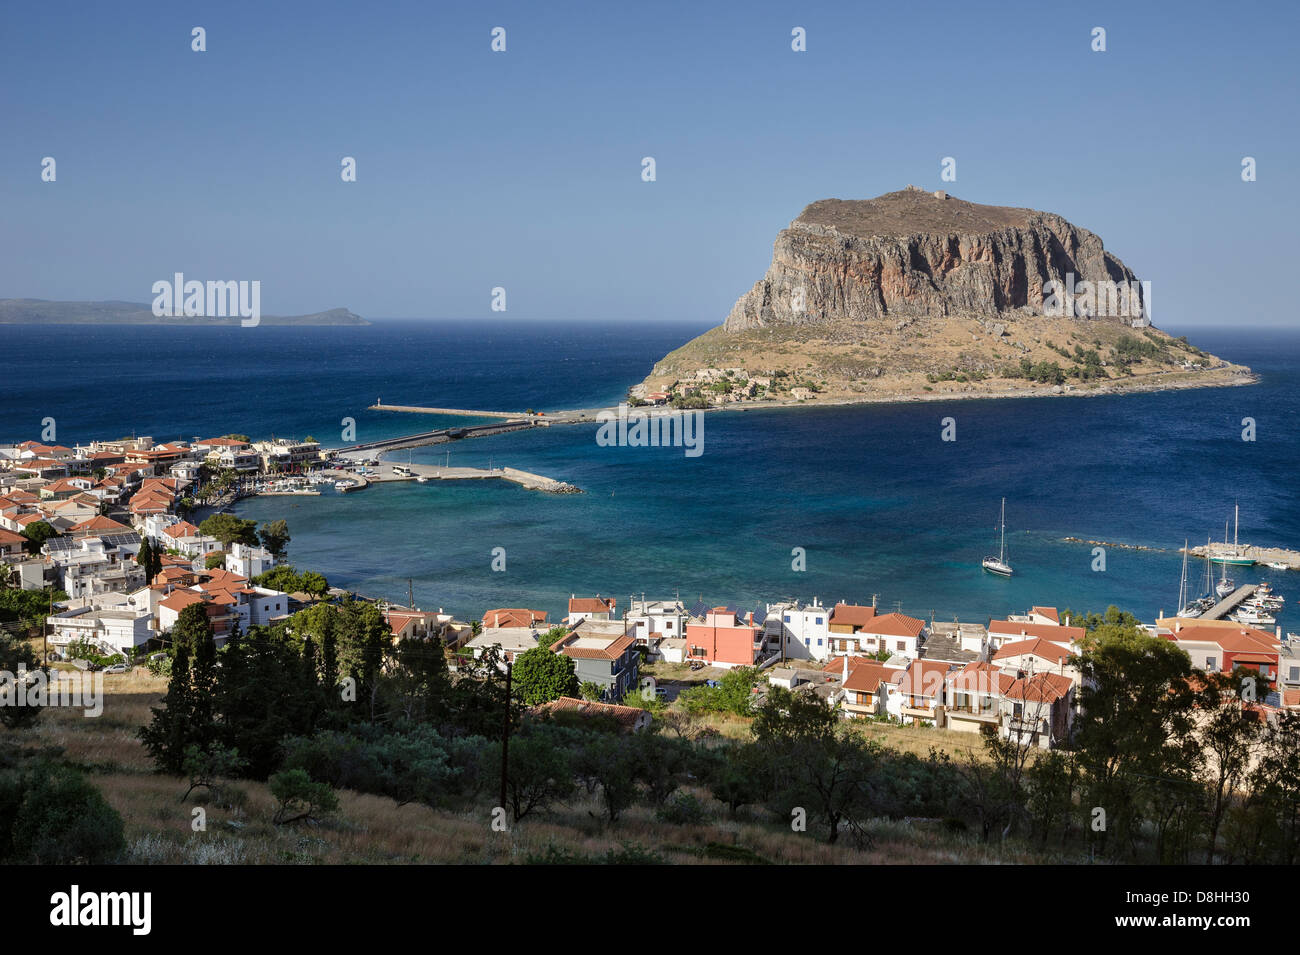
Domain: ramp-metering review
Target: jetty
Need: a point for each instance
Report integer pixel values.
(1228, 603)
(525, 479)
(464, 412)
(1261, 555)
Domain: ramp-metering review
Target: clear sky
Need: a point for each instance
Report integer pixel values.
(522, 169)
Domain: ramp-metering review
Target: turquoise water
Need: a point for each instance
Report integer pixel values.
(880, 504)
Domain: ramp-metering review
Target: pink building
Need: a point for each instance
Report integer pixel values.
(724, 639)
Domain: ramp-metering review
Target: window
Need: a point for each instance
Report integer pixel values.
(902, 644)
(787, 618)
(1211, 664)
(819, 621)
(668, 624)
(806, 642)
(1295, 673)
(819, 641)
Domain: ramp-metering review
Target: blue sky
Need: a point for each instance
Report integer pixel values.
(522, 169)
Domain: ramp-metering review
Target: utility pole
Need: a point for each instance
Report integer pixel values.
(410, 593)
(505, 739)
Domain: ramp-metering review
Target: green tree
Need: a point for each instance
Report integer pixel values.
(230, 529)
(541, 676)
(540, 771)
(1134, 726)
(299, 799)
(1227, 731)
(59, 819)
(37, 533)
(275, 537)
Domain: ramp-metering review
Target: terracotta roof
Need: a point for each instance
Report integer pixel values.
(100, 523)
(514, 617)
(1046, 631)
(923, 678)
(612, 650)
(867, 676)
(181, 529)
(591, 604)
(980, 677)
(1039, 648)
(9, 537)
(1049, 612)
(627, 716)
(1238, 639)
(895, 625)
(1039, 688)
(852, 615)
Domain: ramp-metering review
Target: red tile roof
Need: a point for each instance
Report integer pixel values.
(1039, 648)
(852, 615)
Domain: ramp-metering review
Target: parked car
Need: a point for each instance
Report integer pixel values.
(117, 668)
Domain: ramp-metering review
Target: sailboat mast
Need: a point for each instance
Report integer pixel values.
(1002, 547)
(1182, 584)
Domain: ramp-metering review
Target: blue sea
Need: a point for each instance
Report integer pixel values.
(880, 505)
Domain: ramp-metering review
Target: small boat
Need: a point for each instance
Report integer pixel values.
(998, 565)
(1278, 565)
(422, 479)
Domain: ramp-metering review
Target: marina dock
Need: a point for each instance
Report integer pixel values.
(525, 479)
(1228, 603)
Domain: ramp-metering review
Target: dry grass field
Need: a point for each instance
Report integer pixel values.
(373, 829)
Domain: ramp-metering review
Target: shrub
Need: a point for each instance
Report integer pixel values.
(52, 815)
(683, 809)
(298, 798)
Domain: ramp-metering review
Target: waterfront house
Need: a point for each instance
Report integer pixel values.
(726, 637)
(513, 617)
(895, 632)
(602, 654)
(651, 622)
(846, 623)
(510, 641)
(804, 629)
(589, 608)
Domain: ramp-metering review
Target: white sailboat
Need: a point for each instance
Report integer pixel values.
(1226, 585)
(998, 565)
(1185, 608)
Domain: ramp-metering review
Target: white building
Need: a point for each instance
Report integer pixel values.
(804, 629)
(651, 622)
(249, 561)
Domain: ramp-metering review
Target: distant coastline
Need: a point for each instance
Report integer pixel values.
(34, 311)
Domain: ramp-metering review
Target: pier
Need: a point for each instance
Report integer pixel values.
(1228, 603)
(1261, 555)
(525, 479)
(415, 409)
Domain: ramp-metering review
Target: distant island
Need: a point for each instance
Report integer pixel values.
(915, 295)
(35, 311)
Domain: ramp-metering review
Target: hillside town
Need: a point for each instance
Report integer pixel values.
(99, 505)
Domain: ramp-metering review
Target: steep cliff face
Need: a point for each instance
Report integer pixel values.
(910, 254)
(920, 295)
